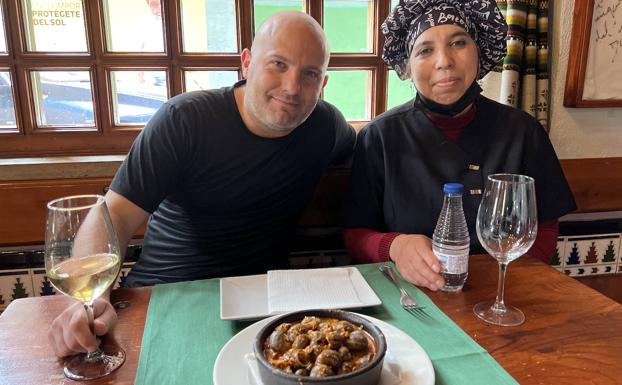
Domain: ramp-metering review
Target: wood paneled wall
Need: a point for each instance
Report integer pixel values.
(23, 206)
(596, 184)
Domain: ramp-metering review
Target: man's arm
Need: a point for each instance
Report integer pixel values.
(69, 333)
(126, 217)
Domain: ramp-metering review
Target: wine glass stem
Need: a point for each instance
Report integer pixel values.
(88, 306)
(499, 304)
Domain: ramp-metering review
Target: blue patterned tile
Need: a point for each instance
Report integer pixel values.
(14, 284)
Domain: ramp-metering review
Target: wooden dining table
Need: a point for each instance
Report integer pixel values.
(572, 334)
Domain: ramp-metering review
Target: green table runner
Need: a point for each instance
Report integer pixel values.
(184, 333)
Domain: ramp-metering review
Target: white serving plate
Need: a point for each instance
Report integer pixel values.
(405, 358)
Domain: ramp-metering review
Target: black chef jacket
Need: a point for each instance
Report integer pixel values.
(402, 161)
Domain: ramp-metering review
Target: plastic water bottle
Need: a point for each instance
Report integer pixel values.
(451, 239)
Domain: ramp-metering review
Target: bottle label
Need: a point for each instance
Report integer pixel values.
(453, 261)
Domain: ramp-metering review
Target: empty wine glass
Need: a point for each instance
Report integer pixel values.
(507, 223)
(82, 260)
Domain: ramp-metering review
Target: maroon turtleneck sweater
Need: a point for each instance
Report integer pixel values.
(368, 245)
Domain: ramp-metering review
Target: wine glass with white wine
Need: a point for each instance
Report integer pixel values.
(82, 260)
(507, 224)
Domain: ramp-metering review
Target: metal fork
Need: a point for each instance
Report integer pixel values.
(407, 302)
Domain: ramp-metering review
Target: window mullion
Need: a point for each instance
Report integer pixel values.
(15, 47)
(383, 8)
(245, 23)
(173, 37)
(95, 30)
(380, 90)
(315, 8)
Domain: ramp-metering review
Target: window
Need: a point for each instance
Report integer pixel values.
(208, 79)
(348, 25)
(54, 27)
(63, 98)
(84, 76)
(353, 103)
(133, 26)
(137, 95)
(209, 26)
(399, 91)
(264, 8)
(2, 37)
(7, 108)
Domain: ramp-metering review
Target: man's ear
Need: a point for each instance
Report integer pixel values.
(246, 61)
(325, 81)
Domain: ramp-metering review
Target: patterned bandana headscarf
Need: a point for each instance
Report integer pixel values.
(481, 19)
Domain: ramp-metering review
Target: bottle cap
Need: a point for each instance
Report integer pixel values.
(453, 188)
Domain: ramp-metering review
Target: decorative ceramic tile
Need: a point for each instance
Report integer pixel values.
(596, 254)
(556, 262)
(14, 284)
(125, 270)
(323, 261)
(572, 253)
(611, 250)
(300, 262)
(331, 258)
(575, 271)
(41, 284)
(325, 258)
(589, 270)
(342, 259)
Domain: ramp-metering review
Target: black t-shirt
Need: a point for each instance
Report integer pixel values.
(223, 200)
(402, 161)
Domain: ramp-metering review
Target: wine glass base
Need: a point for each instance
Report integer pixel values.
(102, 363)
(511, 316)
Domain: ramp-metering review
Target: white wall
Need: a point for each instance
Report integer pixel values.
(578, 132)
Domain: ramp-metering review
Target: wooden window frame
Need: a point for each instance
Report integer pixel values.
(108, 138)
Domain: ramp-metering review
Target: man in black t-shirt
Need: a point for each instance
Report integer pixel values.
(224, 175)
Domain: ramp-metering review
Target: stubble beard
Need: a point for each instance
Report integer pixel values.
(264, 117)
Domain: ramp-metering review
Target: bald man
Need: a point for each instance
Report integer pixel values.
(223, 175)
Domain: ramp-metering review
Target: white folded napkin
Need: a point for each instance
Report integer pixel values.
(291, 290)
(391, 373)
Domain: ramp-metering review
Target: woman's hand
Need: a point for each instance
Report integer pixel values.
(416, 261)
(70, 333)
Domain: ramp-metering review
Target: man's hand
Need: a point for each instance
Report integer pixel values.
(70, 333)
(416, 261)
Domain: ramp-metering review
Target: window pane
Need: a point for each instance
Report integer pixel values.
(205, 80)
(347, 25)
(7, 109)
(349, 90)
(2, 36)
(209, 26)
(134, 26)
(137, 95)
(63, 98)
(394, 3)
(399, 91)
(265, 8)
(55, 25)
